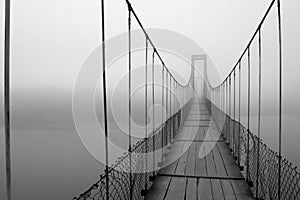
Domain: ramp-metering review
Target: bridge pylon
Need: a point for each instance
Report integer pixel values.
(203, 77)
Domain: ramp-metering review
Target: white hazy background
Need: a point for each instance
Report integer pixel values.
(50, 40)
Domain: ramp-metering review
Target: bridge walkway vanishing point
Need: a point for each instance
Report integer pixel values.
(206, 170)
(193, 175)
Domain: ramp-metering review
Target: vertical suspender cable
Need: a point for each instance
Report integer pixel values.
(153, 113)
(259, 109)
(162, 113)
(223, 106)
(228, 120)
(7, 98)
(171, 131)
(248, 122)
(234, 123)
(239, 135)
(226, 110)
(219, 106)
(175, 96)
(174, 106)
(104, 99)
(129, 102)
(225, 113)
(146, 115)
(280, 99)
(167, 110)
(230, 112)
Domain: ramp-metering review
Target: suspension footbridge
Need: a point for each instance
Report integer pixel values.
(201, 149)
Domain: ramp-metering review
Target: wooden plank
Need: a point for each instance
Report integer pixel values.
(171, 161)
(200, 110)
(200, 168)
(187, 133)
(212, 171)
(200, 134)
(241, 189)
(220, 167)
(158, 188)
(210, 165)
(204, 189)
(191, 123)
(244, 197)
(198, 117)
(230, 165)
(190, 165)
(213, 133)
(198, 123)
(228, 190)
(221, 171)
(217, 189)
(161, 184)
(191, 189)
(182, 163)
(192, 177)
(197, 120)
(177, 188)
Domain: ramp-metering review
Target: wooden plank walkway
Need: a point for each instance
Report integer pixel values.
(205, 170)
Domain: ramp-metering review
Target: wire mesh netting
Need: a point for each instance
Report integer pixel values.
(122, 183)
(263, 162)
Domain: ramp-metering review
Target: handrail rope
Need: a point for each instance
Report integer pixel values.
(239, 148)
(153, 46)
(248, 115)
(169, 75)
(248, 45)
(162, 110)
(280, 97)
(228, 109)
(8, 160)
(105, 98)
(153, 109)
(259, 111)
(234, 145)
(146, 113)
(129, 104)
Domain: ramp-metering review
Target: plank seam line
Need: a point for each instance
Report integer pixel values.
(182, 140)
(204, 177)
(199, 126)
(199, 114)
(198, 120)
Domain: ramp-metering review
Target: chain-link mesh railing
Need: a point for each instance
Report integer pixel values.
(267, 177)
(142, 165)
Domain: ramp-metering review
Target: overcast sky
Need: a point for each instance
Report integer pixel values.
(51, 39)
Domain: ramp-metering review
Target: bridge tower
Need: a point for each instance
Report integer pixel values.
(203, 77)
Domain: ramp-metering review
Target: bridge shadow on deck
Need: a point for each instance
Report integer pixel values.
(206, 170)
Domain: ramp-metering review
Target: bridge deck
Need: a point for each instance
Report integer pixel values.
(206, 169)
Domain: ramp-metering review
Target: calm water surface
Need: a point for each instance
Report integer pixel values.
(50, 162)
